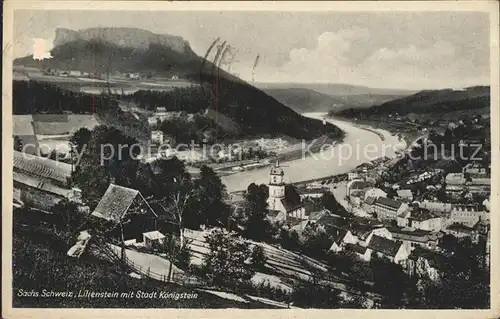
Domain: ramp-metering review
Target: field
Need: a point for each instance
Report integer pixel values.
(96, 86)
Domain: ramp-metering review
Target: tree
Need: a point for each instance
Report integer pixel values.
(316, 242)
(290, 240)
(108, 158)
(312, 294)
(210, 193)
(67, 217)
(80, 138)
(18, 144)
(178, 254)
(177, 203)
(390, 281)
(225, 262)
(258, 256)
(256, 225)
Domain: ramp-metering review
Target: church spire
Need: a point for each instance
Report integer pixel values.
(277, 162)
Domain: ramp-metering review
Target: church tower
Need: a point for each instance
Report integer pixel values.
(276, 188)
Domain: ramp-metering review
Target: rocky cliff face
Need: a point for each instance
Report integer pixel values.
(125, 37)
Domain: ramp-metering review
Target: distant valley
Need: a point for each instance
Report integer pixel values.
(308, 100)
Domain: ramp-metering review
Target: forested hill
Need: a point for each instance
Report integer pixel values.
(431, 101)
(253, 110)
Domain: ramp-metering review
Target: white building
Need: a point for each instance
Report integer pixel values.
(157, 137)
(387, 208)
(467, 216)
(375, 192)
(278, 204)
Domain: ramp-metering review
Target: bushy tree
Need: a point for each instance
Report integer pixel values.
(256, 226)
(178, 253)
(108, 157)
(67, 217)
(312, 294)
(210, 193)
(225, 263)
(316, 242)
(258, 256)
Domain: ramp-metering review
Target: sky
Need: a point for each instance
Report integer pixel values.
(400, 50)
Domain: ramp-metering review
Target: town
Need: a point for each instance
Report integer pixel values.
(149, 174)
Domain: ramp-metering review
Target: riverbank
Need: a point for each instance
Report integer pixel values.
(358, 146)
(408, 132)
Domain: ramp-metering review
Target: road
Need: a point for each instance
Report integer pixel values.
(359, 146)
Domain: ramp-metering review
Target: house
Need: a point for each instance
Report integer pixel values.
(415, 237)
(436, 206)
(340, 237)
(474, 169)
(125, 214)
(374, 192)
(466, 215)
(297, 224)
(328, 220)
(405, 195)
(190, 156)
(376, 230)
(311, 193)
(157, 137)
(278, 201)
(386, 208)
(40, 182)
(152, 238)
(455, 179)
(460, 231)
(394, 250)
(75, 73)
(133, 76)
(276, 217)
(403, 219)
(352, 175)
(361, 251)
(424, 219)
(318, 214)
(357, 185)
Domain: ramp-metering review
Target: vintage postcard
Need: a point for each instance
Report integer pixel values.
(298, 159)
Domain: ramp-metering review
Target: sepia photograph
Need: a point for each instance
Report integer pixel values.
(184, 156)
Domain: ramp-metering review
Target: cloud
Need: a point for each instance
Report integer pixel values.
(352, 56)
(41, 49)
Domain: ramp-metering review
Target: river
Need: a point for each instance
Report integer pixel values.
(362, 144)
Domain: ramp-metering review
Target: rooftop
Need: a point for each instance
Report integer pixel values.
(391, 203)
(41, 185)
(360, 185)
(356, 248)
(42, 167)
(154, 235)
(421, 214)
(115, 203)
(370, 200)
(336, 233)
(405, 193)
(385, 246)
